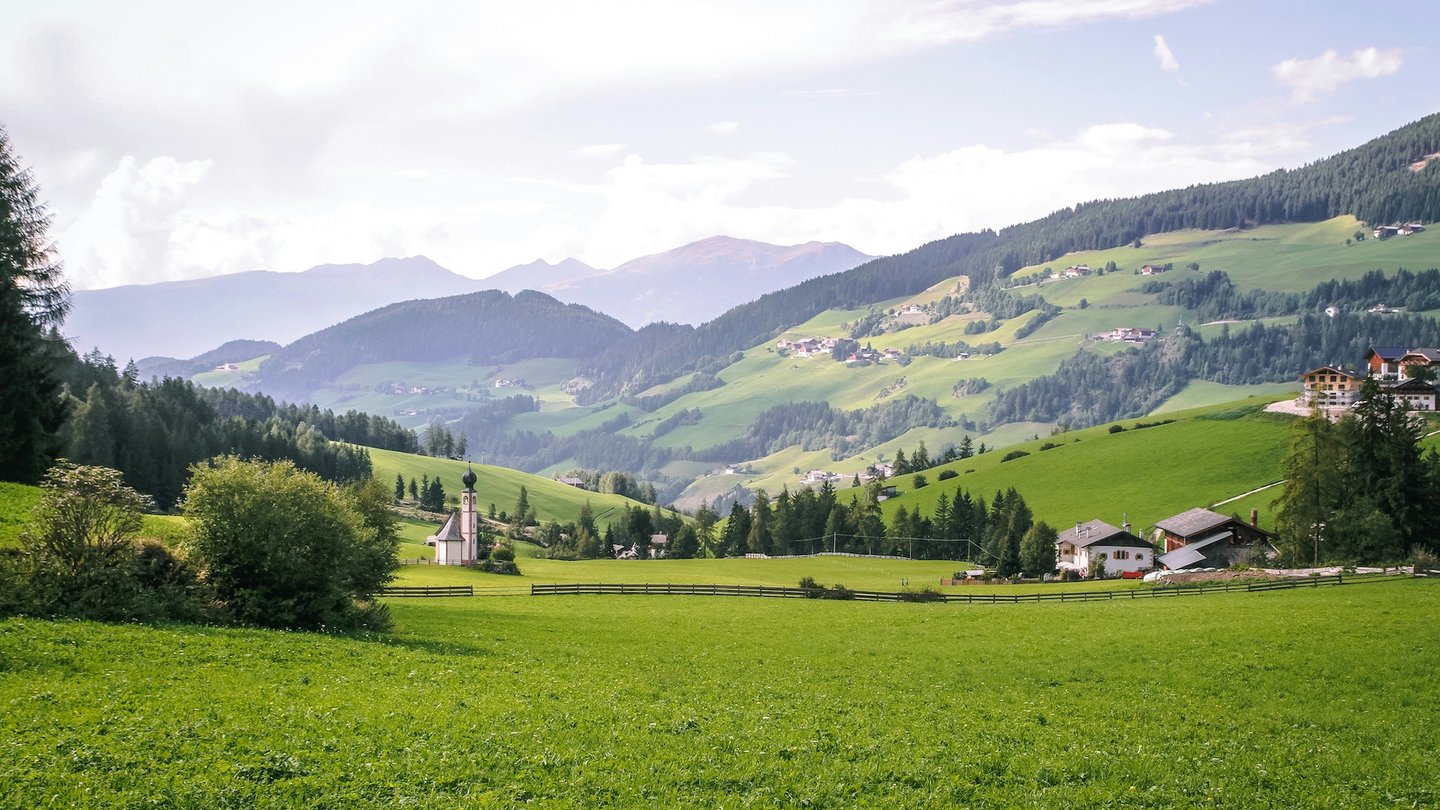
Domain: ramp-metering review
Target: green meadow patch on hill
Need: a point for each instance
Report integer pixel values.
(551, 499)
(1150, 473)
(1307, 698)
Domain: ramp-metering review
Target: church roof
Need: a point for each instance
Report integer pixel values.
(451, 529)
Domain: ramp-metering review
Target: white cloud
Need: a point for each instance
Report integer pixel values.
(125, 234)
(1164, 55)
(968, 20)
(1329, 70)
(724, 127)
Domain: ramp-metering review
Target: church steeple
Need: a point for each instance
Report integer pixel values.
(469, 479)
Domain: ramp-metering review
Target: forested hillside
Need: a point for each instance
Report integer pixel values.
(486, 327)
(1374, 182)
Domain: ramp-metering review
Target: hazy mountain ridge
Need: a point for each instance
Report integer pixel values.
(700, 281)
(486, 327)
(180, 319)
(185, 318)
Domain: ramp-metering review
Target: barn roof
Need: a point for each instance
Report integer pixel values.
(1193, 522)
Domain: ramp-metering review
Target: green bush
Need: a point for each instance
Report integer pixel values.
(1012, 455)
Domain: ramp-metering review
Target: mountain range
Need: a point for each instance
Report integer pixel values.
(181, 319)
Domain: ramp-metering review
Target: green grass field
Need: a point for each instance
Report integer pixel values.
(1313, 698)
(16, 501)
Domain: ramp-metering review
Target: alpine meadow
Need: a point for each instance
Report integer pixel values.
(976, 404)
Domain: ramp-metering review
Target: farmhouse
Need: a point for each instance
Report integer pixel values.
(1151, 269)
(569, 481)
(1130, 334)
(1328, 386)
(1383, 362)
(1200, 538)
(1416, 395)
(1121, 551)
(659, 545)
(1077, 270)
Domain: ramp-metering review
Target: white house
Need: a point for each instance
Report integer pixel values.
(1122, 551)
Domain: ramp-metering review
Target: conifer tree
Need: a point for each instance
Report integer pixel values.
(33, 301)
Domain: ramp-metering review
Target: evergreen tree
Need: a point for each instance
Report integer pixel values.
(33, 301)
(901, 464)
(1037, 550)
(1315, 487)
(967, 447)
(686, 543)
(757, 540)
(399, 487)
(415, 493)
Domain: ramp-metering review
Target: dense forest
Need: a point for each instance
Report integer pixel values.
(152, 432)
(1372, 181)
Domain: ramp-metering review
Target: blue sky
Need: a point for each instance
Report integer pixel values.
(177, 140)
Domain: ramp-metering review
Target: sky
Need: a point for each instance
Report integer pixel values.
(177, 140)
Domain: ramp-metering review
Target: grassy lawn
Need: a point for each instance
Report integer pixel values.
(1314, 698)
(16, 501)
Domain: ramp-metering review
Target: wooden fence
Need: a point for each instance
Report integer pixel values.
(428, 590)
(766, 591)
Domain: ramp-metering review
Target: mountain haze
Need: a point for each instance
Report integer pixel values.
(689, 284)
(185, 318)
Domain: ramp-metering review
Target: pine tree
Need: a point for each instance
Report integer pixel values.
(415, 491)
(399, 487)
(33, 301)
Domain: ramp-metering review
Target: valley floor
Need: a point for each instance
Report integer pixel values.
(1313, 698)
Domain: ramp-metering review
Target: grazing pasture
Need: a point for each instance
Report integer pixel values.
(1310, 698)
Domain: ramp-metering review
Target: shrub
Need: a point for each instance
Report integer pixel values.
(495, 566)
(919, 482)
(838, 591)
(946, 475)
(283, 548)
(925, 594)
(503, 553)
(1048, 446)
(812, 589)
(1116, 429)
(1013, 454)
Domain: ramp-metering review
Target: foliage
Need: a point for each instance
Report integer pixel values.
(33, 301)
(81, 557)
(283, 548)
(1037, 550)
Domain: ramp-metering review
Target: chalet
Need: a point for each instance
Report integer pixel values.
(1381, 309)
(1121, 550)
(1409, 228)
(1383, 362)
(1387, 231)
(819, 476)
(891, 354)
(1077, 270)
(912, 309)
(659, 545)
(1130, 334)
(887, 491)
(1200, 538)
(578, 483)
(1151, 269)
(1415, 395)
(1330, 386)
(1416, 359)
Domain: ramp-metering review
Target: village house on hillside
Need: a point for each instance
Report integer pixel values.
(1402, 373)
(1121, 551)
(1151, 269)
(1200, 538)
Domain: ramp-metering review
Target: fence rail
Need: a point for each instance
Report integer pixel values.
(766, 591)
(428, 590)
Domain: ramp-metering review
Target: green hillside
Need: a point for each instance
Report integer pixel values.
(1206, 455)
(551, 499)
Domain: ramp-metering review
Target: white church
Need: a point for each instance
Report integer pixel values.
(458, 541)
